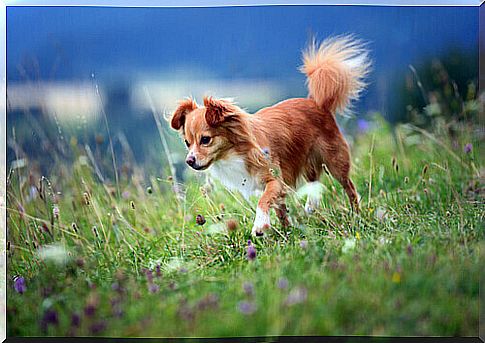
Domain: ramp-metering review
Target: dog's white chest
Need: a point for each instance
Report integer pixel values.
(232, 173)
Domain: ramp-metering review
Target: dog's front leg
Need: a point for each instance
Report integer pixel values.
(272, 195)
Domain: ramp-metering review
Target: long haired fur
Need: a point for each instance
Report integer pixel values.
(335, 72)
(281, 144)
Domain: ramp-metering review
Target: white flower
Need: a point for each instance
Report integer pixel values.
(349, 244)
(55, 253)
(381, 213)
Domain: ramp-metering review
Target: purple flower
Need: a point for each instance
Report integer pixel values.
(97, 327)
(50, 317)
(158, 270)
(251, 251)
(19, 285)
(246, 307)
(303, 244)
(468, 148)
(282, 283)
(152, 288)
(211, 300)
(149, 275)
(248, 288)
(125, 194)
(363, 125)
(75, 320)
(90, 310)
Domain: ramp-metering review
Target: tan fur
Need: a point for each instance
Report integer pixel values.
(291, 139)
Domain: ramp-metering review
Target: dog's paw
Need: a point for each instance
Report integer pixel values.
(262, 223)
(312, 204)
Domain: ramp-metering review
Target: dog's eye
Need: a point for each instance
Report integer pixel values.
(205, 140)
(187, 143)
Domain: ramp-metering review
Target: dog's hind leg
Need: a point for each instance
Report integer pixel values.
(314, 187)
(340, 168)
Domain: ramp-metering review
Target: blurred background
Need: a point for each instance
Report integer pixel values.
(82, 76)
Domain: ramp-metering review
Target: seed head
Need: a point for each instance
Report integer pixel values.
(231, 225)
(200, 220)
(55, 211)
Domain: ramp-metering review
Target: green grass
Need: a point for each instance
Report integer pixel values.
(408, 264)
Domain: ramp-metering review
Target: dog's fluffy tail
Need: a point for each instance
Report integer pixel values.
(335, 72)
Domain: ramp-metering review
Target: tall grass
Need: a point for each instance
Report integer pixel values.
(155, 262)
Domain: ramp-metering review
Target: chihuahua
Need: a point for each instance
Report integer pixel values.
(293, 140)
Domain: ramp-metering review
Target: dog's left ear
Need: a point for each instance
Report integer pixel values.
(217, 110)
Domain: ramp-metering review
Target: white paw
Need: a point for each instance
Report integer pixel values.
(261, 222)
(312, 204)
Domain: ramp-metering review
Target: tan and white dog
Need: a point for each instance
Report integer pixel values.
(278, 145)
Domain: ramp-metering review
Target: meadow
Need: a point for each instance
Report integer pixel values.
(91, 253)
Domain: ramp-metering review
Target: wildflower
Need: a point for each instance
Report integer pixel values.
(409, 250)
(97, 327)
(303, 244)
(149, 275)
(282, 283)
(90, 309)
(50, 317)
(222, 207)
(380, 213)
(19, 285)
(363, 125)
(75, 320)
(125, 194)
(296, 296)
(200, 220)
(158, 270)
(246, 307)
(55, 211)
(153, 288)
(396, 277)
(357, 235)
(248, 288)
(349, 244)
(468, 148)
(211, 300)
(231, 225)
(251, 251)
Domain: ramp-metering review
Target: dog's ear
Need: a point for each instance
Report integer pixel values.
(178, 118)
(217, 110)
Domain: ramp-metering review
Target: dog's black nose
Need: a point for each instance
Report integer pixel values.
(190, 160)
